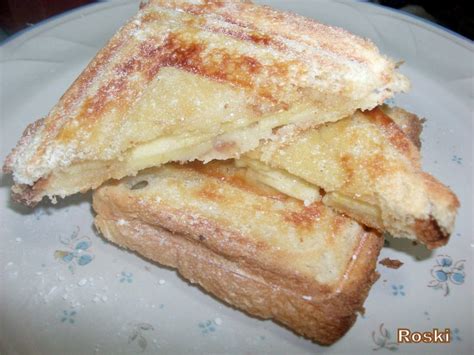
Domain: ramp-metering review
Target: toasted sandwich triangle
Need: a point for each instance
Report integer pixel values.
(185, 80)
(306, 267)
(368, 166)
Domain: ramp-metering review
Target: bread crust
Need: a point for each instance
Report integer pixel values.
(315, 311)
(410, 124)
(373, 158)
(278, 60)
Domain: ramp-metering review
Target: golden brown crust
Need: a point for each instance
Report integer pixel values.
(430, 233)
(28, 134)
(240, 224)
(394, 134)
(272, 61)
(436, 230)
(314, 310)
(441, 192)
(370, 170)
(409, 123)
(406, 122)
(29, 195)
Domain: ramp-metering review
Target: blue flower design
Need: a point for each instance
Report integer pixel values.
(207, 326)
(398, 290)
(137, 334)
(40, 212)
(126, 277)
(68, 316)
(78, 252)
(455, 334)
(457, 159)
(446, 272)
(382, 340)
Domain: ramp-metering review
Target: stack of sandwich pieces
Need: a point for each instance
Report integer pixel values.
(248, 148)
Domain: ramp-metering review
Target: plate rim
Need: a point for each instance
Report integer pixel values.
(31, 33)
(53, 21)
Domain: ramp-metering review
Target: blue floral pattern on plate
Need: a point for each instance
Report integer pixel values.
(398, 290)
(457, 159)
(40, 212)
(445, 272)
(126, 277)
(48, 55)
(68, 316)
(382, 339)
(78, 251)
(456, 334)
(137, 335)
(207, 326)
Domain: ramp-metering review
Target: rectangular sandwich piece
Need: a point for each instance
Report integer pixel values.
(365, 166)
(261, 251)
(185, 80)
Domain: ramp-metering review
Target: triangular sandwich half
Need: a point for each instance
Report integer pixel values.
(366, 167)
(185, 80)
(261, 251)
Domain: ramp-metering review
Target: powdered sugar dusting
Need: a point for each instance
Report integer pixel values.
(279, 59)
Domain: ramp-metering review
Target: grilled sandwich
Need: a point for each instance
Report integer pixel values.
(366, 167)
(257, 249)
(186, 80)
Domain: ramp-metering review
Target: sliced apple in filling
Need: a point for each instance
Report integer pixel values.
(367, 168)
(184, 81)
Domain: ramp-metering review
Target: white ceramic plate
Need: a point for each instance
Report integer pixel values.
(112, 301)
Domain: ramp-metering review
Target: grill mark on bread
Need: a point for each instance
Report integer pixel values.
(210, 192)
(338, 225)
(187, 54)
(305, 217)
(325, 317)
(81, 85)
(151, 17)
(219, 236)
(175, 52)
(180, 53)
(394, 134)
(294, 25)
(235, 178)
(314, 47)
(200, 9)
(116, 89)
(266, 40)
(400, 155)
(346, 162)
(254, 36)
(377, 165)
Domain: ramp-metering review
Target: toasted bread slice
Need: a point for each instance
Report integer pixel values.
(410, 124)
(368, 169)
(251, 246)
(186, 80)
